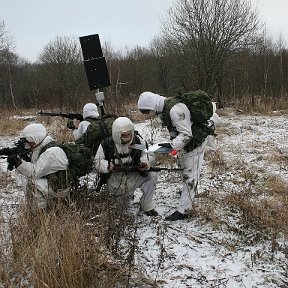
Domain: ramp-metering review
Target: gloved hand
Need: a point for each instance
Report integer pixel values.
(166, 145)
(70, 124)
(13, 161)
(103, 167)
(144, 166)
(173, 153)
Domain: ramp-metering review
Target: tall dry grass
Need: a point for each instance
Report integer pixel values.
(72, 245)
(273, 106)
(260, 203)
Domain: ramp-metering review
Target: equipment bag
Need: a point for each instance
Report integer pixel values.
(199, 105)
(201, 109)
(98, 130)
(80, 158)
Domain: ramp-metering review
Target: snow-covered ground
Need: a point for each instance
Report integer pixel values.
(204, 253)
(192, 253)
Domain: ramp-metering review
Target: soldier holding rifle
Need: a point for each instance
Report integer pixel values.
(115, 153)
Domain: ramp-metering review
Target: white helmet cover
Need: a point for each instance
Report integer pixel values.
(90, 110)
(151, 101)
(120, 125)
(34, 133)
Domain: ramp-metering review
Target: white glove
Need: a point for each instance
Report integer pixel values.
(103, 167)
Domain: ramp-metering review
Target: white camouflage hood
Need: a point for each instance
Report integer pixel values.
(151, 101)
(34, 133)
(120, 125)
(90, 110)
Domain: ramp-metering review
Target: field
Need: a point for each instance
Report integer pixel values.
(235, 236)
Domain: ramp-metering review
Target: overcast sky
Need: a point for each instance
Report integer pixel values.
(33, 23)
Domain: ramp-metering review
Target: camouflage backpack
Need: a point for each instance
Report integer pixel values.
(201, 110)
(98, 130)
(199, 105)
(80, 158)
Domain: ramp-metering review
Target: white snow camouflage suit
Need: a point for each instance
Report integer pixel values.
(123, 183)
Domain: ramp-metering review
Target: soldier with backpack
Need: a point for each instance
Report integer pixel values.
(92, 130)
(47, 178)
(187, 119)
(90, 114)
(115, 155)
(97, 130)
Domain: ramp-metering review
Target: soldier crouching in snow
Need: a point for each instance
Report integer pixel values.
(114, 154)
(46, 178)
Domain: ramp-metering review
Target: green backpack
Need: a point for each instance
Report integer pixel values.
(98, 130)
(199, 105)
(80, 158)
(201, 110)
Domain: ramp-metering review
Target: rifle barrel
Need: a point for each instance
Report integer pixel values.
(137, 169)
(49, 114)
(77, 116)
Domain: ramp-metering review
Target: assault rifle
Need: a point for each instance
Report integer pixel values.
(18, 150)
(64, 115)
(137, 169)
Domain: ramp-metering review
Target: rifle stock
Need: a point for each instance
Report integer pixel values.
(137, 169)
(64, 115)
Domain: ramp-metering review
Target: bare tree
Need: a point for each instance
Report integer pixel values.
(280, 52)
(207, 32)
(62, 65)
(7, 60)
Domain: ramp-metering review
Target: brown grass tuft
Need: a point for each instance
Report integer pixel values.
(73, 245)
(265, 215)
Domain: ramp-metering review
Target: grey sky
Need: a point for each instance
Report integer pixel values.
(33, 23)
(274, 13)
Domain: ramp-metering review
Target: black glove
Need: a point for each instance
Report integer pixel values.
(166, 145)
(70, 124)
(13, 161)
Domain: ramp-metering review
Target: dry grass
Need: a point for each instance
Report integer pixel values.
(5, 179)
(276, 107)
(11, 126)
(259, 204)
(269, 106)
(73, 245)
(216, 161)
(267, 217)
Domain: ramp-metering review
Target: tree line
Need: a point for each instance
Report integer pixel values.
(218, 46)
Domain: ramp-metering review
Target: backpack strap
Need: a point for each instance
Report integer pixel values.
(103, 128)
(49, 145)
(111, 152)
(108, 148)
(168, 104)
